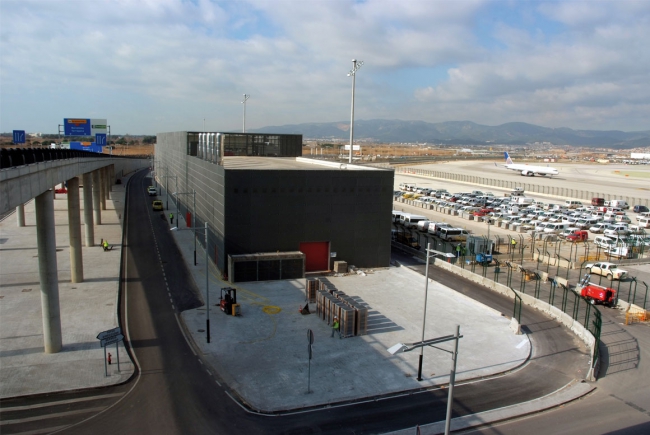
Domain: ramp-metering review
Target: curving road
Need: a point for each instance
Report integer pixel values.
(174, 392)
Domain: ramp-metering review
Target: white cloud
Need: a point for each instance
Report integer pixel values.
(161, 65)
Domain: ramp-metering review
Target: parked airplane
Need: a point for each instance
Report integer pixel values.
(529, 170)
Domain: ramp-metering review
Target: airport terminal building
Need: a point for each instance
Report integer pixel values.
(271, 213)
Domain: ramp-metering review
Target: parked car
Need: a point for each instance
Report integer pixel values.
(640, 209)
(610, 270)
(598, 228)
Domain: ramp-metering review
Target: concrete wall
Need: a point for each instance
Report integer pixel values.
(252, 211)
(19, 185)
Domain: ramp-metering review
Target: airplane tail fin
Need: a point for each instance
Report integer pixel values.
(508, 159)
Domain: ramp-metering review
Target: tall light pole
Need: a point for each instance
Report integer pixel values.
(424, 316)
(193, 193)
(246, 97)
(353, 72)
(207, 276)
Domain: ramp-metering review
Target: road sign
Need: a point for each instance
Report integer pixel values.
(84, 126)
(19, 136)
(109, 333)
(100, 139)
(112, 339)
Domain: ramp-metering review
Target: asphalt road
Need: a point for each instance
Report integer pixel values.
(173, 391)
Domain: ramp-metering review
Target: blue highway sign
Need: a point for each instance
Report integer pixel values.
(19, 136)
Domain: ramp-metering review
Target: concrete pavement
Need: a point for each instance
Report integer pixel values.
(262, 355)
(87, 308)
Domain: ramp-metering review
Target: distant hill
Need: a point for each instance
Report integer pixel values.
(463, 133)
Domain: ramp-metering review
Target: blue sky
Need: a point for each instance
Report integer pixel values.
(151, 66)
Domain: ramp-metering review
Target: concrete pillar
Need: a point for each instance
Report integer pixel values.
(74, 229)
(20, 215)
(47, 269)
(102, 188)
(88, 210)
(97, 212)
(107, 177)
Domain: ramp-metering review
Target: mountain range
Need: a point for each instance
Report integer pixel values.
(462, 133)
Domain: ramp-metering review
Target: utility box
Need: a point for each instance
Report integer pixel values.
(341, 266)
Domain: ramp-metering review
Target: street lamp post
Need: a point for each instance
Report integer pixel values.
(246, 97)
(424, 317)
(166, 177)
(207, 276)
(399, 347)
(193, 193)
(353, 72)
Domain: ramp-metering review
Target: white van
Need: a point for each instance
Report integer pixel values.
(570, 203)
(411, 220)
(397, 215)
(643, 222)
(453, 234)
(555, 228)
(619, 203)
(604, 242)
(434, 227)
(406, 186)
(423, 226)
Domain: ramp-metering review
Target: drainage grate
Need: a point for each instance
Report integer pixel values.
(25, 290)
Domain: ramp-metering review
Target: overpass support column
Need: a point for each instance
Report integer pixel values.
(47, 269)
(88, 210)
(97, 212)
(74, 229)
(20, 215)
(107, 182)
(102, 187)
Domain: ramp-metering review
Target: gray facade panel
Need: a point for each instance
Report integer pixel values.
(252, 210)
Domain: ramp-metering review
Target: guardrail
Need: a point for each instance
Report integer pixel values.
(15, 157)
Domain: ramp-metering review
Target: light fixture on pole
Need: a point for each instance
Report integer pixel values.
(193, 193)
(399, 347)
(353, 72)
(207, 276)
(246, 97)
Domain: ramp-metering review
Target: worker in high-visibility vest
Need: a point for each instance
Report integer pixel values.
(513, 242)
(336, 327)
(171, 217)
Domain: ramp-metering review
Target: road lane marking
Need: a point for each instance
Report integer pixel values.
(60, 402)
(48, 416)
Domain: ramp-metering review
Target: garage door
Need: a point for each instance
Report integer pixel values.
(317, 255)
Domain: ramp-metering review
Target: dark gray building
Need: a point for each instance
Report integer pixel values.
(257, 203)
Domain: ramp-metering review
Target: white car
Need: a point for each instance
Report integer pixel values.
(610, 270)
(152, 191)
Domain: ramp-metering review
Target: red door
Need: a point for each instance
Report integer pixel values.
(317, 255)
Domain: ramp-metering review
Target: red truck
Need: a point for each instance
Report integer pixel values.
(597, 294)
(578, 236)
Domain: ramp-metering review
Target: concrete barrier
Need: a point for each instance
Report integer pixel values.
(554, 312)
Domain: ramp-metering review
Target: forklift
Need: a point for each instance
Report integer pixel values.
(228, 301)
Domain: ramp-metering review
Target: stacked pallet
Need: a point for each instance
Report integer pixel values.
(330, 303)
